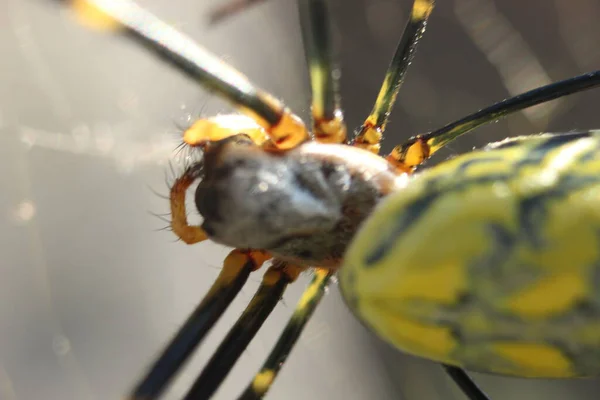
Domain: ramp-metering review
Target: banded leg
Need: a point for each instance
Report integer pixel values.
(328, 118)
(370, 134)
(407, 156)
(236, 268)
(306, 306)
(284, 129)
(273, 285)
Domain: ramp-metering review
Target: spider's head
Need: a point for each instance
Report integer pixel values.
(252, 198)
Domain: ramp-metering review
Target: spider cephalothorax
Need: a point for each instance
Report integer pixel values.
(302, 205)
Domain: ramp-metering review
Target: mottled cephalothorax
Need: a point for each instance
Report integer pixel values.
(303, 205)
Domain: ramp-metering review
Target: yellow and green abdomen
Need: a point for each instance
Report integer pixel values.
(489, 261)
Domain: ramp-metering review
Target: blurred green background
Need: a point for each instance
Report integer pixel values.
(90, 291)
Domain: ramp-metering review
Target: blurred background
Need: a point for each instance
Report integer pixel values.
(90, 290)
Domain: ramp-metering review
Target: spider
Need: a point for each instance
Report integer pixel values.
(311, 199)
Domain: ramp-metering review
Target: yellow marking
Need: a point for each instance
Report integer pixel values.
(286, 134)
(570, 228)
(432, 254)
(424, 267)
(535, 359)
(373, 135)
(442, 284)
(554, 294)
(263, 380)
(422, 9)
(380, 101)
(370, 136)
(332, 130)
(312, 290)
(289, 132)
(428, 341)
(495, 163)
(222, 127)
(416, 154)
(317, 77)
(554, 165)
(92, 17)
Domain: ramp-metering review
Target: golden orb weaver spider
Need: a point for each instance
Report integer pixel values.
(325, 188)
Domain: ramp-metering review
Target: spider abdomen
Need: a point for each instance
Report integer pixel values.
(489, 261)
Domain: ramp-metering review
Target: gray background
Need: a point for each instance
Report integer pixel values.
(89, 291)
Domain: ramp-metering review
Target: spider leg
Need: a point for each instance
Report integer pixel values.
(220, 127)
(236, 268)
(306, 306)
(273, 285)
(230, 8)
(190, 234)
(465, 383)
(328, 118)
(284, 128)
(370, 134)
(419, 148)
